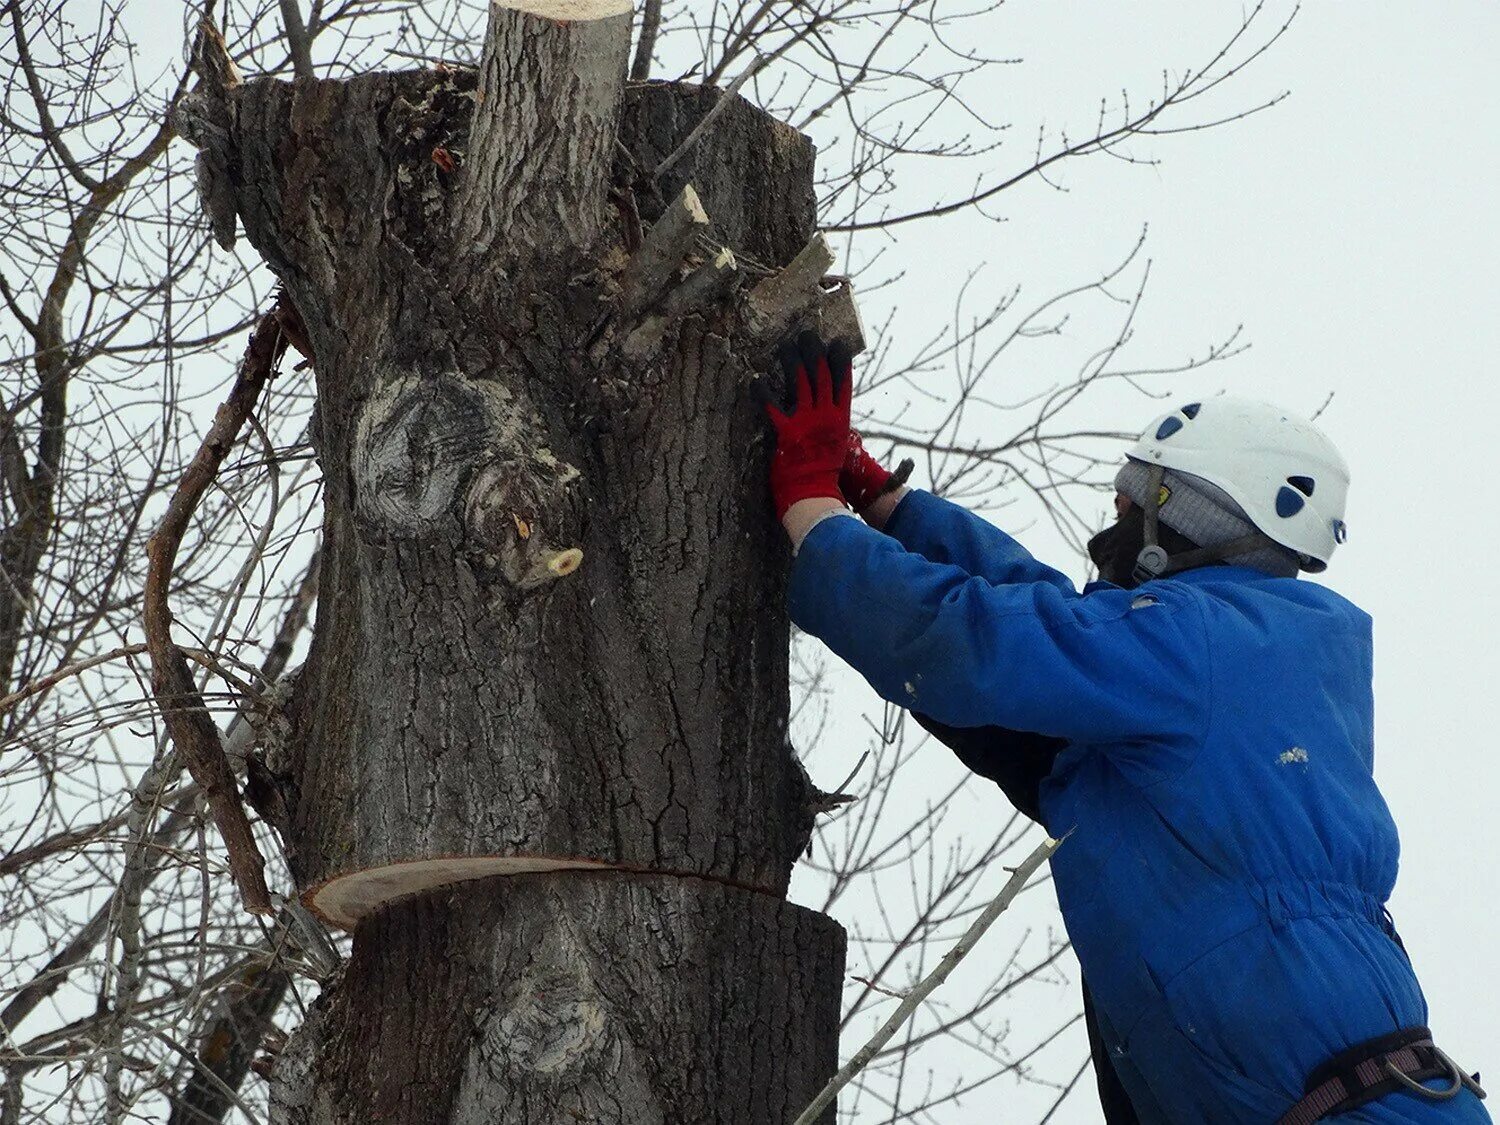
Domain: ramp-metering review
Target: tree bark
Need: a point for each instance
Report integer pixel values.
(596, 997)
(497, 403)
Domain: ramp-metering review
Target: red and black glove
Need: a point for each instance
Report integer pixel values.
(811, 423)
(863, 480)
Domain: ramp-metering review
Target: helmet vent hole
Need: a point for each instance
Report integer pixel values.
(1288, 502)
(1304, 485)
(1192, 408)
(1168, 428)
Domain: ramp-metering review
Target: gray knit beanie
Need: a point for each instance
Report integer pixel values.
(1206, 514)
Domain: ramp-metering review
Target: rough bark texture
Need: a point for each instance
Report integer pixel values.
(487, 415)
(457, 702)
(593, 998)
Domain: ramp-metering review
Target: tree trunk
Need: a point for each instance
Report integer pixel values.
(538, 759)
(597, 998)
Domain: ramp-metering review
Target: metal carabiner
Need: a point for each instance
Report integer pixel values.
(1460, 1080)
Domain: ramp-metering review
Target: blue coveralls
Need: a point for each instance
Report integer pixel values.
(1225, 882)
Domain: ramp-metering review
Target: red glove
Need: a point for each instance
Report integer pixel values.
(812, 432)
(863, 480)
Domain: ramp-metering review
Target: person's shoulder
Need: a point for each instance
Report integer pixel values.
(1329, 600)
(1157, 601)
(1161, 591)
(1297, 597)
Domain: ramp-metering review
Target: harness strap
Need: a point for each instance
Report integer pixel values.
(1402, 1061)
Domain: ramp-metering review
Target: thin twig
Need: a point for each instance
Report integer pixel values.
(1066, 1090)
(52, 679)
(927, 984)
(725, 98)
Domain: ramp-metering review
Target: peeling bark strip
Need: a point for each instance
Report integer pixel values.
(192, 731)
(345, 900)
(540, 999)
(504, 392)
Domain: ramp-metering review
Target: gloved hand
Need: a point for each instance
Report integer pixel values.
(864, 480)
(812, 425)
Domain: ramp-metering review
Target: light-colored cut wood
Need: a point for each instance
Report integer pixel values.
(345, 900)
(571, 10)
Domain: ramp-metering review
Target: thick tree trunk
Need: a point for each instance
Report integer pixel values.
(598, 998)
(554, 801)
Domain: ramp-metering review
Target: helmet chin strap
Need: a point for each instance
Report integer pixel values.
(1153, 560)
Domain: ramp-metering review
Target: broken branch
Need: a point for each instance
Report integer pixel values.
(663, 250)
(640, 70)
(704, 285)
(699, 290)
(193, 733)
(299, 42)
(839, 316)
(776, 301)
(803, 292)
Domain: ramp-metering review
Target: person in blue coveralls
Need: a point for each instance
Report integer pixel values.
(1198, 724)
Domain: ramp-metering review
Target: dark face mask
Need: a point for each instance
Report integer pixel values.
(1116, 548)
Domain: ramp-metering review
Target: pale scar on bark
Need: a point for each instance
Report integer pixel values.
(423, 441)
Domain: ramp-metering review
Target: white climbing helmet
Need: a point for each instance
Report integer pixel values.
(1280, 468)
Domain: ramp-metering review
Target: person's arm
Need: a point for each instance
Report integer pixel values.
(1024, 656)
(969, 652)
(803, 515)
(1016, 761)
(934, 528)
(944, 532)
(879, 511)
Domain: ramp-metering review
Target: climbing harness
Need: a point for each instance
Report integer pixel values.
(1371, 1070)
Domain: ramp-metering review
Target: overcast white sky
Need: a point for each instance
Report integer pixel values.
(1353, 231)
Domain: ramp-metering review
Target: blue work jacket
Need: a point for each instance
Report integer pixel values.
(1228, 857)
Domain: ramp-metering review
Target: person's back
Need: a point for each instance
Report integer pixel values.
(1220, 887)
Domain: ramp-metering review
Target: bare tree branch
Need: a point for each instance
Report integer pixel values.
(229, 1043)
(298, 40)
(192, 731)
(50, 132)
(640, 69)
(914, 998)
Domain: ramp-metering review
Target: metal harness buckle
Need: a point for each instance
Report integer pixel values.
(1392, 1063)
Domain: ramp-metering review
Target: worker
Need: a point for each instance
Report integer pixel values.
(1198, 724)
